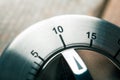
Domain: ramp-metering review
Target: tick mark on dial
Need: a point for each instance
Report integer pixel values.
(91, 43)
(31, 73)
(37, 64)
(62, 40)
(34, 68)
(41, 58)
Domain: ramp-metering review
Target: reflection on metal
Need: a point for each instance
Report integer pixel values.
(42, 51)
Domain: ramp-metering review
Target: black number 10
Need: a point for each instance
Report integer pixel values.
(58, 29)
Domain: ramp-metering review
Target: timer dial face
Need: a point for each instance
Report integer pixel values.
(64, 47)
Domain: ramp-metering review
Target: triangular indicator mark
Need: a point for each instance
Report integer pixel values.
(74, 61)
(79, 66)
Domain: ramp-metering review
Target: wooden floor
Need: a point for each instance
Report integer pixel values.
(17, 15)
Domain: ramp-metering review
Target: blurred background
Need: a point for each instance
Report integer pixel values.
(17, 15)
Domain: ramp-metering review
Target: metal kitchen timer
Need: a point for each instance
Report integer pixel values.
(62, 48)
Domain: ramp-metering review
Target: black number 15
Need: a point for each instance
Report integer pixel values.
(91, 35)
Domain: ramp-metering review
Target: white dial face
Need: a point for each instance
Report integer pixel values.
(50, 46)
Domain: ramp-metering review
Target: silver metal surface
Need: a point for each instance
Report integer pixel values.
(31, 50)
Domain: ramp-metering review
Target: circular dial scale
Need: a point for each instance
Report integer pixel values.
(48, 49)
